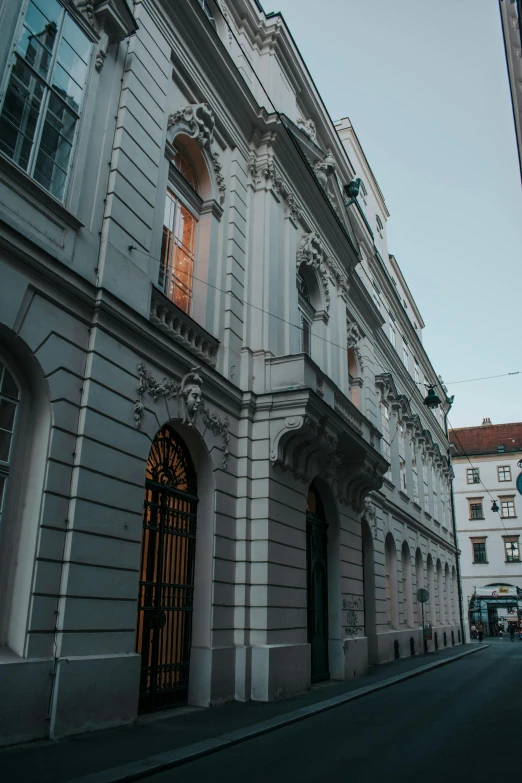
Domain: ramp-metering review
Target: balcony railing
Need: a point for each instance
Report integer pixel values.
(181, 328)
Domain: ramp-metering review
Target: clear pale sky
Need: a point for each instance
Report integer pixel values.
(425, 85)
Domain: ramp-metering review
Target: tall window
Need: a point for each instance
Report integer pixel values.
(177, 252)
(434, 486)
(473, 476)
(393, 336)
(306, 314)
(425, 484)
(9, 400)
(512, 549)
(385, 423)
(402, 460)
(414, 470)
(507, 508)
(405, 356)
(504, 473)
(417, 373)
(479, 552)
(379, 236)
(44, 94)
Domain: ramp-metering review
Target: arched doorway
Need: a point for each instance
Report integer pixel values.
(166, 589)
(317, 584)
(369, 592)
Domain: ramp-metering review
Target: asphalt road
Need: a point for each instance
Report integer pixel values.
(461, 722)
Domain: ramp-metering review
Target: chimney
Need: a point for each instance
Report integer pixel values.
(486, 423)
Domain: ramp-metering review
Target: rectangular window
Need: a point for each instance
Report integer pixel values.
(405, 357)
(306, 333)
(507, 508)
(475, 511)
(414, 473)
(402, 460)
(473, 475)
(426, 500)
(512, 549)
(385, 441)
(479, 552)
(504, 473)
(434, 486)
(44, 94)
(393, 337)
(417, 373)
(177, 252)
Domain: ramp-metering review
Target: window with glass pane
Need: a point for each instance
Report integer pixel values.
(44, 95)
(9, 400)
(177, 252)
(512, 551)
(475, 511)
(479, 552)
(385, 441)
(405, 357)
(434, 486)
(414, 470)
(473, 475)
(507, 508)
(504, 473)
(417, 373)
(402, 459)
(306, 333)
(393, 338)
(425, 485)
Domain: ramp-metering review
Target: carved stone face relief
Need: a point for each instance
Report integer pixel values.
(192, 395)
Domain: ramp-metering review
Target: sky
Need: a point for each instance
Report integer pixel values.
(425, 85)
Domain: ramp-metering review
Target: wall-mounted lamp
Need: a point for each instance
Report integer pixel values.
(352, 191)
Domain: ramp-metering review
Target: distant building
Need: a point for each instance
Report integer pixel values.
(489, 540)
(510, 12)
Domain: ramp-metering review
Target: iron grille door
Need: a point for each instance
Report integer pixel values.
(316, 551)
(166, 589)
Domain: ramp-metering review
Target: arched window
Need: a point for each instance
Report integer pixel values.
(309, 300)
(180, 223)
(9, 404)
(407, 602)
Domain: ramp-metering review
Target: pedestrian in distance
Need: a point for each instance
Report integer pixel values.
(473, 632)
(500, 632)
(480, 631)
(512, 632)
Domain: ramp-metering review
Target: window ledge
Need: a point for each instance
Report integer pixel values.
(476, 519)
(404, 496)
(182, 328)
(427, 515)
(26, 187)
(417, 505)
(508, 517)
(511, 562)
(389, 483)
(486, 562)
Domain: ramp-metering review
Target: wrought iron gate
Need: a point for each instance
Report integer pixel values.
(317, 578)
(167, 574)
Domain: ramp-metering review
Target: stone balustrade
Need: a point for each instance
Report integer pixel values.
(182, 328)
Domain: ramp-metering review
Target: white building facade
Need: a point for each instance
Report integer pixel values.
(486, 465)
(218, 479)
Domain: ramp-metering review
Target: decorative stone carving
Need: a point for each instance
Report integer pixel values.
(354, 337)
(182, 329)
(324, 169)
(311, 253)
(282, 187)
(369, 515)
(349, 415)
(197, 121)
(111, 19)
(188, 394)
(308, 127)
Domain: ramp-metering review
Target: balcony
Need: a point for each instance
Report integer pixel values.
(182, 329)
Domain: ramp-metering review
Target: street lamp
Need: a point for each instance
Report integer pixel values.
(432, 399)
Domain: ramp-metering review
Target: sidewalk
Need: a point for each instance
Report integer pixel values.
(124, 754)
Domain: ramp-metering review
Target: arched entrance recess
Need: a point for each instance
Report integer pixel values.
(166, 588)
(317, 584)
(369, 592)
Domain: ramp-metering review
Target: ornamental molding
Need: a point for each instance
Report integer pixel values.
(369, 515)
(187, 392)
(353, 339)
(308, 128)
(324, 169)
(311, 253)
(113, 22)
(197, 121)
(274, 179)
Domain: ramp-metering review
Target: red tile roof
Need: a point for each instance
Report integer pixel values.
(487, 438)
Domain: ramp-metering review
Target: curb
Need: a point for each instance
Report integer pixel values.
(152, 765)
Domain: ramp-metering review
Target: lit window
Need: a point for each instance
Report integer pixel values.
(507, 508)
(177, 252)
(479, 552)
(475, 511)
(512, 549)
(504, 473)
(9, 399)
(473, 476)
(44, 95)
(185, 168)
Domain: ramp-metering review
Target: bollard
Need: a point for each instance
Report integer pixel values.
(412, 645)
(396, 649)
